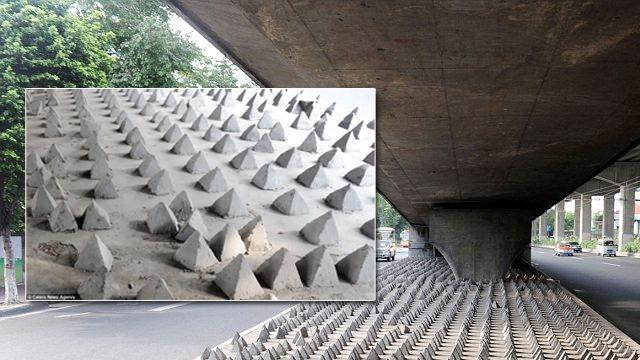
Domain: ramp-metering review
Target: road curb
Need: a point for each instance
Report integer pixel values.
(22, 309)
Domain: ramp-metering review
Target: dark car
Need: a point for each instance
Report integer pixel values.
(575, 246)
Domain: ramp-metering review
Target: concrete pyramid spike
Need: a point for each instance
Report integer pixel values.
(90, 142)
(290, 159)
(155, 289)
(122, 116)
(322, 230)
(198, 163)
(164, 124)
(133, 136)
(279, 271)
(278, 133)
(227, 100)
(148, 109)
(180, 108)
(173, 134)
(57, 167)
(291, 203)
(231, 124)
(237, 280)
(190, 115)
(100, 169)
(95, 256)
(277, 99)
(52, 99)
(266, 121)
(267, 178)
(195, 254)
(213, 134)
(55, 189)
(220, 113)
(39, 177)
(35, 107)
(140, 103)
(199, 124)
(96, 218)
(184, 146)
(216, 94)
(182, 206)
(62, 219)
(245, 160)
(347, 143)
(332, 159)
(345, 199)
(363, 175)
(97, 152)
(42, 203)
(314, 177)
(33, 163)
(251, 133)
(372, 124)
(161, 220)
(357, 130)
(170, 100)
(310, 143)
(157, 95)
(241, 96)
(194, 223)
(52, 153)
(316, 268)
(105, 189)
(369, 228)
(149, 166)
(330, 109)
(229, 205)
(302, 122)
(371, 158)
(158, 116)
(227, 243)
(255, 236)
(251, 114)
(126, 125)
(358, 267)
(53, 132)
(252, 101)
(138, 151)
(101, 285)
(213, 181)
(346, 122)
(226, 145)
(160, 183)
(262, 107)
(326, 130)
(264, 145)
(53, 120)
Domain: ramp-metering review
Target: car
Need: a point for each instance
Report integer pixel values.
(606, 247)
(575, 246)
(385, 249)
(563, 248)
(404, 243)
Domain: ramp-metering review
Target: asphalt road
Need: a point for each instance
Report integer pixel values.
(610, 285)
(401, 253)
(128, 330)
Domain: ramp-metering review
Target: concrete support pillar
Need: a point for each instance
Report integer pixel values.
(480, 244)
(417, 241)
(558, 231)
(607, 217)
(585, 218)
(576, 217)
(542, 226)
(627, 209)
(534, 228)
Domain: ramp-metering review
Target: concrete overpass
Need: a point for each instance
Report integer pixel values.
(489, 112)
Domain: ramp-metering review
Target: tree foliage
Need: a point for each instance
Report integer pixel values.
(388, 216)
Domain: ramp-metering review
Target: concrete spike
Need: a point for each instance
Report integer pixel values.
(251, 133)
(371, 158)
(245, 160)
(161, 220)
(357, 266)
(190, 115)
(229, 205)
(198, 163)
(140, 102)
(173, 134)
(302, 122)
(157, 95)
(159, 116)
(164, 124)
(255, 236)
(363, 175)
(290, 159)
(180, 108)
(213, 134)
(96, 152)
(95, 256)
(170, 100)
(310, 143)
(278, 132)
(213, 181)
(53, 131)
(194, 223)
(227, 100)
(100, 169)
(138, 151)
(264, 145)
(184, 146)
(42, 203)
(33, 163)
(251, 114)
(357, 130)
(57, 167)
(332, 159)
(62, 219)
(227, 243)
(267, 178)
(346, 122)
(195, 254)
(160, 183)
(96, 218)
(133, 136)
(155, 289)
(88, 128)
(226, 145)
(242, 94)
(149, 166)
(369, 228)
(231, 124)
(322, 230)
(220, 113)
(345, 199)
(52, 153)
(39, 177)
(90, 142)
(55, 189)
(314, 177)
(105, 189)
(291, 203)
(122, 116)
(266, 121)
(182, 206)
(199, 124)
(316, 268)
(347, 143)
(279, 271)
(263, 106)
(101, 285)
(237, 280)
(126, 125)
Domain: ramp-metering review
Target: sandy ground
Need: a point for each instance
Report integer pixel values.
(139, 254)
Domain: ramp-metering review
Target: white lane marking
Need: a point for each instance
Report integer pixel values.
(577, 258)
(606, 263)
(72, 315)
(167, 307)
(40, 311)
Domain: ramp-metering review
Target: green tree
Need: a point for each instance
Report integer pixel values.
(388, 216)
(568, 221)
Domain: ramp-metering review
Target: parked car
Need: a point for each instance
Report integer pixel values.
(575, 246)
(606, 247)
(385, 249)
(404, 243)
(563, 248)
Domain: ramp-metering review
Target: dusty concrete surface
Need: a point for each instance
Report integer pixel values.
(138, 254)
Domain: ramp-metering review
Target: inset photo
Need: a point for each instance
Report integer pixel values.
(200, 194)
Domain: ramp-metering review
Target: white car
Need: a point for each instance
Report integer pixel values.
(606, 247)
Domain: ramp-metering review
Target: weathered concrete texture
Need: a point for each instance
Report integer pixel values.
(317, 269)
(155, 289)
(101, 285)
(195, 253)
(95, 256)
(279, 271)
(351, 266)
(161, 220)
(237, 280)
